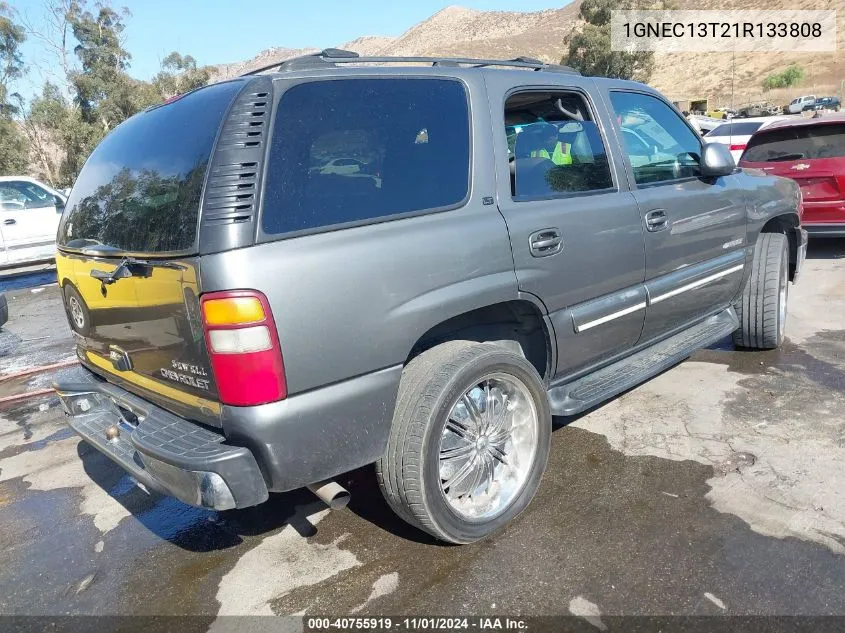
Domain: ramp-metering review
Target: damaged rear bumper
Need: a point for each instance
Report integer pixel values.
(162, 451)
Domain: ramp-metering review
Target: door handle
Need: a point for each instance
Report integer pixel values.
(656, 220)
(9, 221)
(545, 242)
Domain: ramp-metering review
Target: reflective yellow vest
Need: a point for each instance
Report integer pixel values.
(560, 156)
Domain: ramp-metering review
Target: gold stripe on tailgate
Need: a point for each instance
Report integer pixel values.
(152, 385)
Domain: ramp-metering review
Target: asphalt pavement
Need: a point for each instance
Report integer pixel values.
(717, 488)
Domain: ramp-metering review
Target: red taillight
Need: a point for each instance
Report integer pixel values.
(738, 148)
(243, 347)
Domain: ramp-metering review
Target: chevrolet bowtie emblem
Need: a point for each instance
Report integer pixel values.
(800, 166)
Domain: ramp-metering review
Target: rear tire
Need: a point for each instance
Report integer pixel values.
(761, 307)
(78, 314)
(461, 482)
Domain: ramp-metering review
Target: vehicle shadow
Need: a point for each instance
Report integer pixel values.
(202, 530)
(199, 529)
(826, 248)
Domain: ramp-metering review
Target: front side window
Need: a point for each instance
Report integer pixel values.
(19, 195)
(554, 146)
(660, 146)
(353, 150)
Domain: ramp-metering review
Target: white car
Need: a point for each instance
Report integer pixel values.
(704, 124)
(29, 219)
(799, 104)
(736, 132)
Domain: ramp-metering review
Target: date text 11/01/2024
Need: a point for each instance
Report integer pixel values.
(415, 624)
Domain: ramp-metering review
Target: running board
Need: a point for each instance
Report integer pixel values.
(592, 389)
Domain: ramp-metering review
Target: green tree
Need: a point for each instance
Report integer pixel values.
(180, 74)
(14, 154)
(91, 91)
(588, 48)
(47, 123)
(103, 89)
(792, 76)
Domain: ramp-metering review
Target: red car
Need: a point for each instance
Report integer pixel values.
(812, 153)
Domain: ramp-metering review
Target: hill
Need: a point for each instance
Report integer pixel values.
(458, 31)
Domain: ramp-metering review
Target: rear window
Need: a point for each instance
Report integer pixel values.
(140, 189)
(735, 129)
(355, 150)
(797, 143)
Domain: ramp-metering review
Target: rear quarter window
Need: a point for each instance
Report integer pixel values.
(801, 142)
(349, 151)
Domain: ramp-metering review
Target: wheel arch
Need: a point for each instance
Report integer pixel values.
(786, 225)
(520, 325)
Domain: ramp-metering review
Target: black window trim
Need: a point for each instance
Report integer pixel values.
(262, 237)
(629, 167)
(563, 195)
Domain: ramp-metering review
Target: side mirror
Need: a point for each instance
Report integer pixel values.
(60, 203)
(716, 160)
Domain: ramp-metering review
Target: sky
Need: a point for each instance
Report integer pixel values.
(218, 31)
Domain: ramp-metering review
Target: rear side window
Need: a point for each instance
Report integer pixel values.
(735, 129)
(140, 189)
(354, 150)
(797, 143)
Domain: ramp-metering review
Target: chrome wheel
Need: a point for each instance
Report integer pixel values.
(488, 447)
(76, 313)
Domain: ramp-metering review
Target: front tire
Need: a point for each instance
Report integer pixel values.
(761, 307)
(469, 441)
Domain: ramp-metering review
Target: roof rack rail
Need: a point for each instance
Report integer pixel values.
(334, 56)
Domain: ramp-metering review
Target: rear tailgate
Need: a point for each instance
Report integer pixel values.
(128, 253)
(144, 332)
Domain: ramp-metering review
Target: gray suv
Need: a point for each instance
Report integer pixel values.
(409, 262)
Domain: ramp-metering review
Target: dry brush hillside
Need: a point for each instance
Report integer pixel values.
(459, 31)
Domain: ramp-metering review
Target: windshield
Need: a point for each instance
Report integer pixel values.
(140, 189)
(797, 143)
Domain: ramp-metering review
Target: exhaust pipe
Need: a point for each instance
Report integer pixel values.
(331, 493)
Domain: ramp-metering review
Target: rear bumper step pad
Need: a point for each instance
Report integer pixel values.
(162, 451)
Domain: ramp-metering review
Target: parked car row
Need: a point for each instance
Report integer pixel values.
(810, 102)
(29, 218)
(736, 133)
(766, 108)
